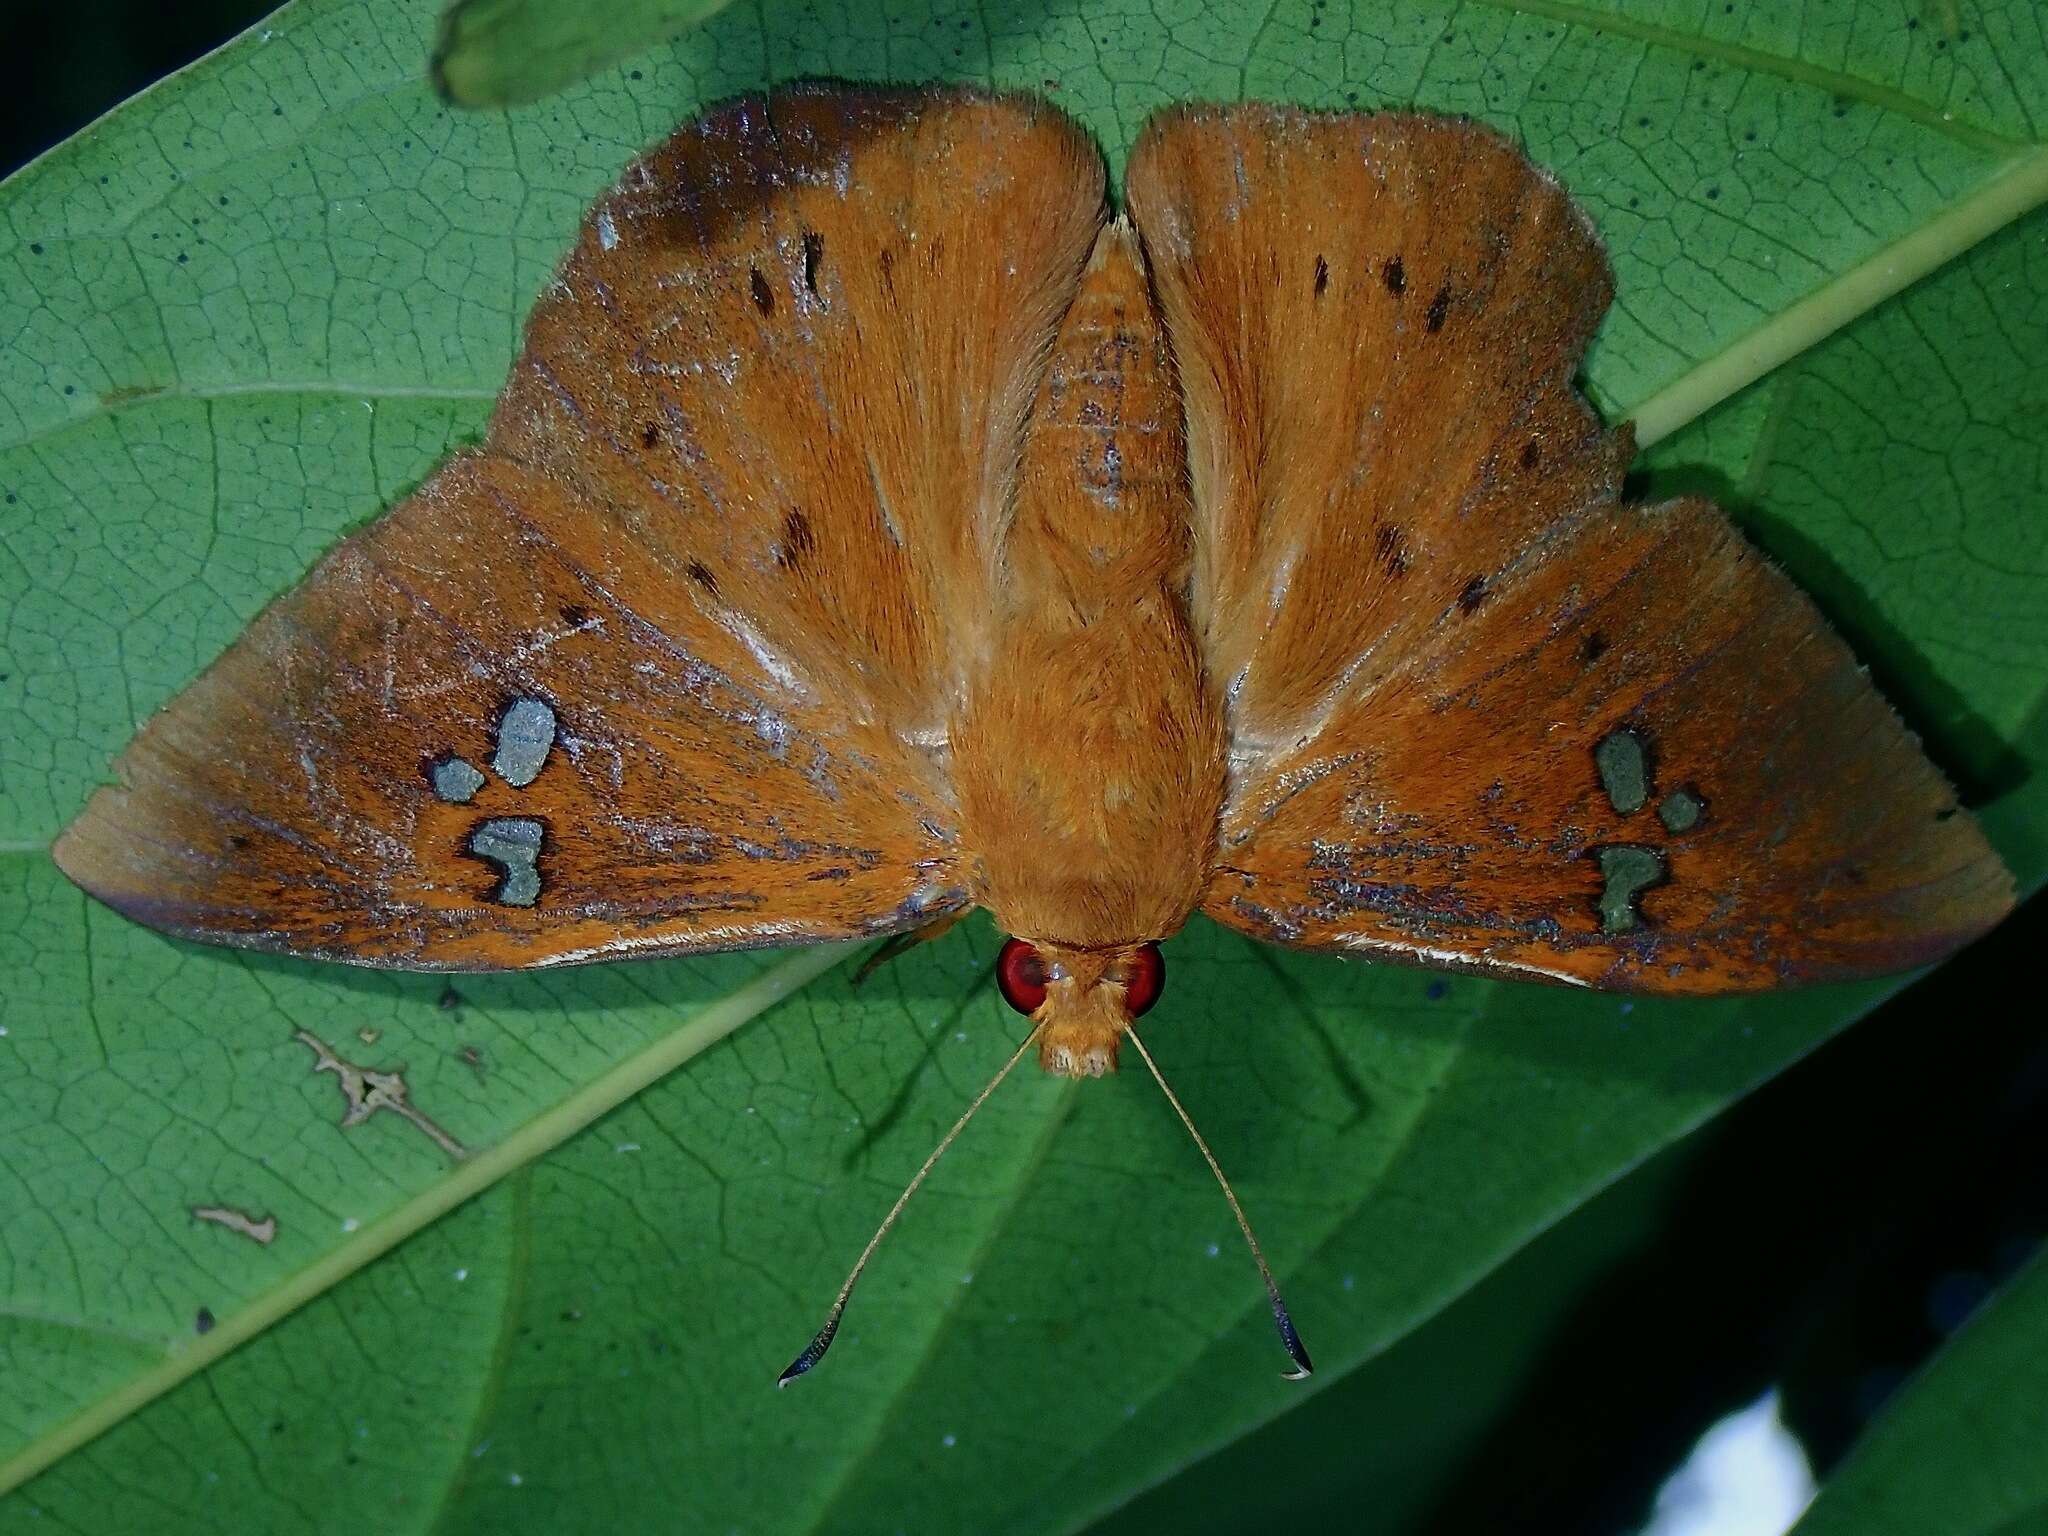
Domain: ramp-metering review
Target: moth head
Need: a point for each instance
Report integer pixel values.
(1082, 1000)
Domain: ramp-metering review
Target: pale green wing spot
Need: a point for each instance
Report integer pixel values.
(456, 780)
(513, 843)
(1624, 771)
(526, 732)
(1680, 811)
(1629, 870)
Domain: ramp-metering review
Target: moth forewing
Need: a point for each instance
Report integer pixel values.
(718, 531)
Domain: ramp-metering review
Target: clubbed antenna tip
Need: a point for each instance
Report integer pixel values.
(815, 1350)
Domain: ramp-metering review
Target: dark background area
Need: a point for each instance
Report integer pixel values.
(68, 63)
(1824, 1235)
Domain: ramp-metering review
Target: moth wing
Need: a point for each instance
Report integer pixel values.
(1482, 713)
(666, 664)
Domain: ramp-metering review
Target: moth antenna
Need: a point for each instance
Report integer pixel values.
(1289, 1339)
(815, 1350)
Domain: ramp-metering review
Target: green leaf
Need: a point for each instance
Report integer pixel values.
(1958, 1452)
(255, 305)
(502, 53)
(1382, 1448)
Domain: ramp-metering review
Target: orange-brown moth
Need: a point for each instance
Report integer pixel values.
(873, 527)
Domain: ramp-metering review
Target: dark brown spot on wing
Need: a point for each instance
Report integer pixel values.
(814, 255)
(798, 539)
(1439, 310)
(1395, 276)
(700, 573)
(1322, 276)
(764, 297)
(1391, 548)
(1473, 594)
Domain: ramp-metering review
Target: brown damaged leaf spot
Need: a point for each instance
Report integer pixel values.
(258, 1231)
(128, 394)
(368, 1091)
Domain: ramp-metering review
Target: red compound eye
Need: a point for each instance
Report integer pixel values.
(1144, 979)
(1020, 976)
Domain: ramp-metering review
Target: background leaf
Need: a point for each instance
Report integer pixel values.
(498, 53)
(258, 303)
(1959, 1452)
(1816, 1241)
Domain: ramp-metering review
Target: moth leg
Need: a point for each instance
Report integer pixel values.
(897, 943)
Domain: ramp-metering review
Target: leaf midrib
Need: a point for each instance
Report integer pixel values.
(1835, 82)
(2015, 189)
(466, 1179)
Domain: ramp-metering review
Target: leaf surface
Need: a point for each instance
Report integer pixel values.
(1958, 1451)
(256, 304)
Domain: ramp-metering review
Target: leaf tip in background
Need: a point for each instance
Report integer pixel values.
(502, 53)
